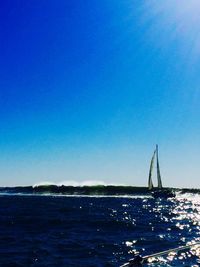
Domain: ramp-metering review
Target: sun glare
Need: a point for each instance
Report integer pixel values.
(174, 21)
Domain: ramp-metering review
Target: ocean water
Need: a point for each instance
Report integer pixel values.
(96, 231)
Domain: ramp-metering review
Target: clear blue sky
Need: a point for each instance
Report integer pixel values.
(87, 88)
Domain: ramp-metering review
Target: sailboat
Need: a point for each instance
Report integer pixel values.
(158, 191)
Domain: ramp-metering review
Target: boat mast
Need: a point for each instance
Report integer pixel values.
(158, 170)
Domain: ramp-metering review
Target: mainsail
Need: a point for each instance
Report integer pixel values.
(150, 182)
(158, 170)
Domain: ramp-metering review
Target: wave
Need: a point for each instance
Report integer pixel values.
(76, 184)
(89, 188)
(81, 189)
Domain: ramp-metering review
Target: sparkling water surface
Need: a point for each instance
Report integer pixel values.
(97, 231)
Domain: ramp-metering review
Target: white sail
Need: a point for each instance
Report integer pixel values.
(150, 182)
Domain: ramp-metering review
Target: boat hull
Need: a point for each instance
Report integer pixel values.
(163, 193)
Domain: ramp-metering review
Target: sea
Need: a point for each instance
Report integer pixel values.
(84, 231)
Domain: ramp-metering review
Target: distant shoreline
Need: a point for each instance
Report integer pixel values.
(101, 190)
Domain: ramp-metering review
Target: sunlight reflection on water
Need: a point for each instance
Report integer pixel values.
(175, 221)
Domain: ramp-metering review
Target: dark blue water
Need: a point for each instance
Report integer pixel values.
(89, 231)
